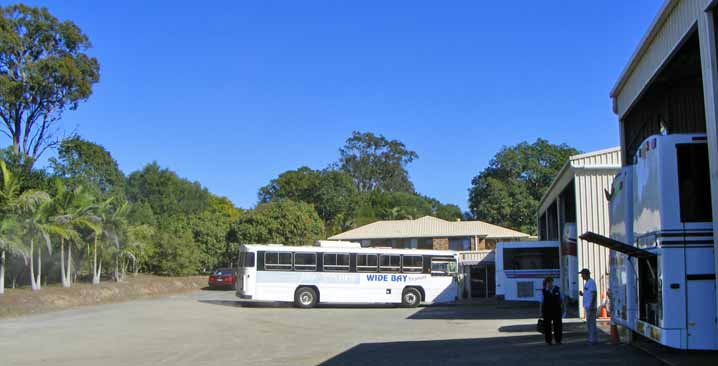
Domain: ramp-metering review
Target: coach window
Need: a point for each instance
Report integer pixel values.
(442, 267)
(305, 261)
(246, 260)
(389, 263)
(336, 262)
(278, 261)
(366, 262)
(412, 264)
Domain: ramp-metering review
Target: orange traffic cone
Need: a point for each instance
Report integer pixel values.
(615, 339)
(603, 312)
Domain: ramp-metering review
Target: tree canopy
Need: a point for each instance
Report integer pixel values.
(376, 163)
(331, 192)
(84, 163)
(44, 70)
(165, 192)
(508, 191)
(369, 183)
(285, 222)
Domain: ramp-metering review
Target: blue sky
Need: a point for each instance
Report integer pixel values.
(233, 93)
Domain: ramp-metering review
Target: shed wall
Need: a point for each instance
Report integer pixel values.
(675, 27)
(592, 215)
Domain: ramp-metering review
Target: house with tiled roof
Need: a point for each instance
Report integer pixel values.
(429, 232)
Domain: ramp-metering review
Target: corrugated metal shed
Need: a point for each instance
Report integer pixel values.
(589, 175)
(674, 21)
(427, 227)
(607, 159)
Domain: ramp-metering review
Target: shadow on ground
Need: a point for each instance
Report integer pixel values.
(510, 350)
(218, 288)
(573, 327)
(482, 310)
(273, 304)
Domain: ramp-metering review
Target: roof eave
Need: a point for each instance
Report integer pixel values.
(643, 46)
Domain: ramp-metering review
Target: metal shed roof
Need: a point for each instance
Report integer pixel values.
(669, 28)
(427, 227)
(606, 159)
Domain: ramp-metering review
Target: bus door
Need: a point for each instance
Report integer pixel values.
(701, 321)
(246, 273)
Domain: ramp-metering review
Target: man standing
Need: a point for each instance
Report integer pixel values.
(589, 305)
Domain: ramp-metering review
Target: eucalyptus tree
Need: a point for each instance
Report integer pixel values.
(72, 210)
(44, 70)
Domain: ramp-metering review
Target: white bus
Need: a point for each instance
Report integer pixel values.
(522, 266)
(663, 284)
(345, 273)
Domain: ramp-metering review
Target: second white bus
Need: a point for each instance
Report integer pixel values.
(345, 273)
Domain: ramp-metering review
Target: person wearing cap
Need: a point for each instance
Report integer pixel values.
(589, 305)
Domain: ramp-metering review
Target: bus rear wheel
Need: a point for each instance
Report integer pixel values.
(305, 298)
(411, 298)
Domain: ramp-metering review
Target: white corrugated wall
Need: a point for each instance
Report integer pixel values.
(592, 215)
(682, 18)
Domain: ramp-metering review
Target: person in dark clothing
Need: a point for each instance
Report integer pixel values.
(552, 311)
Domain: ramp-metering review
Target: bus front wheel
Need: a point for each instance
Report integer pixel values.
(305, 298)
(411, 298)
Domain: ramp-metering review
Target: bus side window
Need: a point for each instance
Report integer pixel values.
(366, 262)
(389, 263)
(412, 263)
(442, 267)
(278, 261)
(336, 262)
(305, 261)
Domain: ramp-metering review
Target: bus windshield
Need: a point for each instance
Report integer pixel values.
(246, 260)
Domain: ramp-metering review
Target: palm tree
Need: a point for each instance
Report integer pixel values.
(14, 207)
(35, 224)
(114, 230)
(8, 225)
(72, 210)
(8, 243)
(136, 240)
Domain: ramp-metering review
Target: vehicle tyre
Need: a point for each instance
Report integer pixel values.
(305, 298)
(410, 298)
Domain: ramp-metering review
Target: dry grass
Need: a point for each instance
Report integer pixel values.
(16, 302)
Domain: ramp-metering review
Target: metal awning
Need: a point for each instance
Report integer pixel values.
(616, 245)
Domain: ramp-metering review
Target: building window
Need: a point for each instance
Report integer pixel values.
(426, 243)
(460, 243)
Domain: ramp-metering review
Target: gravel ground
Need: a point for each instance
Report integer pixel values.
(211, 328)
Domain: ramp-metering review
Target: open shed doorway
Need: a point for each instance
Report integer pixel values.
(483, 280)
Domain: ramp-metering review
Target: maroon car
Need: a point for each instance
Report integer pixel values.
(222, 278)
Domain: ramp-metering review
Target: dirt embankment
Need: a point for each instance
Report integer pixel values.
(16, 302)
